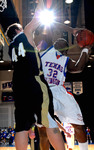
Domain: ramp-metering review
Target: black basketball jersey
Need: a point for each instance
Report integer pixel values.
(24, 60)
(28, 78)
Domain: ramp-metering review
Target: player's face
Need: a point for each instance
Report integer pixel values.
(64, 52)
(62, 46)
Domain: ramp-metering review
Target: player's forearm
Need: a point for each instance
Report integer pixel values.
(77, 67)
(35, 21)
(32, 26)
(64, 27)
(80, 64)
(67, 28)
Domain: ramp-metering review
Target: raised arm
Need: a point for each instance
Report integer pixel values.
(77, 67)
(67, 28)
(32, 26)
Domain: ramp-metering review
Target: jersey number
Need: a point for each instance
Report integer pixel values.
(21, 52)
(52, 73)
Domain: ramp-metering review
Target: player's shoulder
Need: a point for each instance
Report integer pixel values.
(47, 51)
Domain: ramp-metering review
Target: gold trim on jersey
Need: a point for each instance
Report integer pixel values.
(45, 104)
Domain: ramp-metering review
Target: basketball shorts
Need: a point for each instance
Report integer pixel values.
(65, 106)
(88, 133)
(31, 106)
(27, 105)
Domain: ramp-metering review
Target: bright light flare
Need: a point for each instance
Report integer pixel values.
(46, 17)
(68, 1)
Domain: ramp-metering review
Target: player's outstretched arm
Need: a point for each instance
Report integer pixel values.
(78, 66)
(67, 28)
(32, 26)
(64, 27)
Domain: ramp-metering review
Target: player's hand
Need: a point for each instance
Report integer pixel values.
(89, 48)
(75, 30)
(32, 133)
(68, 134)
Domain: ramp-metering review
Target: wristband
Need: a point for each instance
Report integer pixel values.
(33, 128)
(85, 50)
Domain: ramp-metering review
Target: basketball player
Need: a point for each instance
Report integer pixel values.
(30, 87)
(55, 65)
(88, 135)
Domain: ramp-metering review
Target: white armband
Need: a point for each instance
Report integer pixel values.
(85, 50)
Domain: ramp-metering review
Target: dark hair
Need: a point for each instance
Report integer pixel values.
(61, 45)
(11, 30)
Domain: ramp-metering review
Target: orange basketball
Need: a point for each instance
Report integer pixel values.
(84, 38)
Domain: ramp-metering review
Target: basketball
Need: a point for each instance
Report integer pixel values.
(84, 38)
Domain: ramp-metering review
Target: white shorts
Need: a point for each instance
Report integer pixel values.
(52, 122)
(65, 106)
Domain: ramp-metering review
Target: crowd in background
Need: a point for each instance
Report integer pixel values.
(7, 136)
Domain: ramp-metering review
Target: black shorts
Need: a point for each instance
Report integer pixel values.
(27, 104)
(34, 98)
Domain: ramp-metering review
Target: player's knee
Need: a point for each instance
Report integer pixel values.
(42, 132)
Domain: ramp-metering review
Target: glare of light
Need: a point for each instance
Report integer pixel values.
(89, 66)
(1, 61)
(68, 1)
(92, 55)
(36, 1)
(9, 70)
(67, 21)
(46, 17)
(32, 13)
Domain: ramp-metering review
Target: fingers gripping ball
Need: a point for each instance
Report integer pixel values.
(84, 38)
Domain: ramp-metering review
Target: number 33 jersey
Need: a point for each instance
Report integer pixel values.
(54, 66)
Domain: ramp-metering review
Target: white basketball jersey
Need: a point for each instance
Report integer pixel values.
(54, 66)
